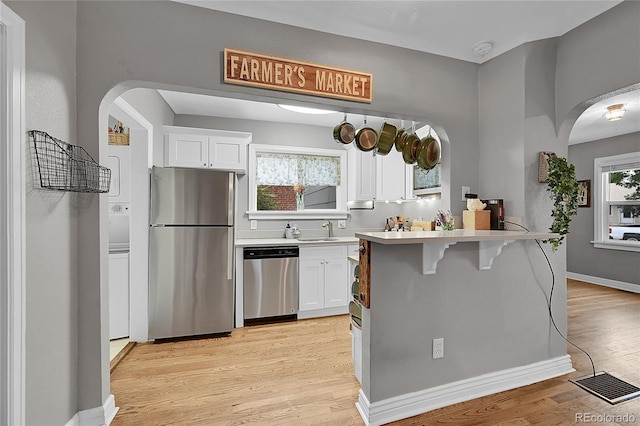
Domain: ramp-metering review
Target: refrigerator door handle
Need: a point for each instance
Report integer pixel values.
(231, 200)
(230, 257)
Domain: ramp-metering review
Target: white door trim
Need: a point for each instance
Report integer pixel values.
(12, 215)
(141, 154)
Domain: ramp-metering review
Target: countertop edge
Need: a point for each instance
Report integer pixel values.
(455, 236)
(255, 242)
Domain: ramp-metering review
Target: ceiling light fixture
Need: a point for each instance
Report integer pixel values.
(305, 110)
(615, 112)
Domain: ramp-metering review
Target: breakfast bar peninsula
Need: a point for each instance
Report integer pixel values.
(483, 296)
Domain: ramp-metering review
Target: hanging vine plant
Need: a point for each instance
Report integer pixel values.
(564, 190)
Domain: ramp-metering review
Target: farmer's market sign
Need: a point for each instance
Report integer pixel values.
(270, 72)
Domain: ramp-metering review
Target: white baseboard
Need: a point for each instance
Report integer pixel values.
(316, 313)
(620, 285)
(411, 404)
(98, 416)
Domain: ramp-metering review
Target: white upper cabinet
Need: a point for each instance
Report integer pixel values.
(204, 148)
(377, 177)
(394, 178)
(362, 175)
(184, 150)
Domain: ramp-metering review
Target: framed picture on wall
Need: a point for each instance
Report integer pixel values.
(584, 193)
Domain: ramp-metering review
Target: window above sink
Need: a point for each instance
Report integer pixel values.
(288, 182)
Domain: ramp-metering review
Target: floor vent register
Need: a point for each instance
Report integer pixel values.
(608, 387)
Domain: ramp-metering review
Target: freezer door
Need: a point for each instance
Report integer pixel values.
(191, 197)
(191, 281)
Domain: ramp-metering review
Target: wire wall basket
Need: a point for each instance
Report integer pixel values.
(66, 167)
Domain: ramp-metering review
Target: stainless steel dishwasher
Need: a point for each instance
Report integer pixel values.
(270, 281)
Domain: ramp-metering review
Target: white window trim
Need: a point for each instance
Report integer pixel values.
(600, 213)
(341, 191)
(12, 211)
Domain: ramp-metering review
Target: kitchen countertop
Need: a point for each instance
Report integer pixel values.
(455, 236)
(259, 242)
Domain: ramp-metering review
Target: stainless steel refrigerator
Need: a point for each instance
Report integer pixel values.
(191, 239)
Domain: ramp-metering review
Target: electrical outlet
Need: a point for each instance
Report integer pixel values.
(342, 224)
(465, 190)
(254, 224)
(438, 348)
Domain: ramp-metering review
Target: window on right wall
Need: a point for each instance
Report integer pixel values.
(617, 202)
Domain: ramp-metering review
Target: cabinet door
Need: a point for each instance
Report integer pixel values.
(336, 285)
(365, 176)
(408, 183)
(227, 154)
(118, 295)
(187, 150)
(391, 173)
(311, 284)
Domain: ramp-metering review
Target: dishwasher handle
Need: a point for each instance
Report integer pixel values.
(270, 252)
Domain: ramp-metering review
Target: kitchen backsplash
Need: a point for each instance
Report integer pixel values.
(358, 221)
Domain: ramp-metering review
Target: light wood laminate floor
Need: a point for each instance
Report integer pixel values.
(301, 373)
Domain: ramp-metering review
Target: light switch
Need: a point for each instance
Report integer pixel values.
(254, 224)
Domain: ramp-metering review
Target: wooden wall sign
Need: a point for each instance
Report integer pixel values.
(270, 72)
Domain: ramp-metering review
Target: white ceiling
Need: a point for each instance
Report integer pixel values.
(592, 125)
(448, 28)
(418, 25)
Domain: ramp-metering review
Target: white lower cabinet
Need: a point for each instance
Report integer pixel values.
(324, 280)
(118, 295)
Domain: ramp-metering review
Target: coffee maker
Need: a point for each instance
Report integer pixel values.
(496, 207)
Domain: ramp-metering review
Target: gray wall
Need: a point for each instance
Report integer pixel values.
(123, 45)
(153, 107)
(51, 367)
(582, 257)
(501, 89)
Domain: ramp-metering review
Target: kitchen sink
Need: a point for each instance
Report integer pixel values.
(317, 239)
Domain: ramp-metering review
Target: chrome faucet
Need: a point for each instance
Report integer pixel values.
(329, 225)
